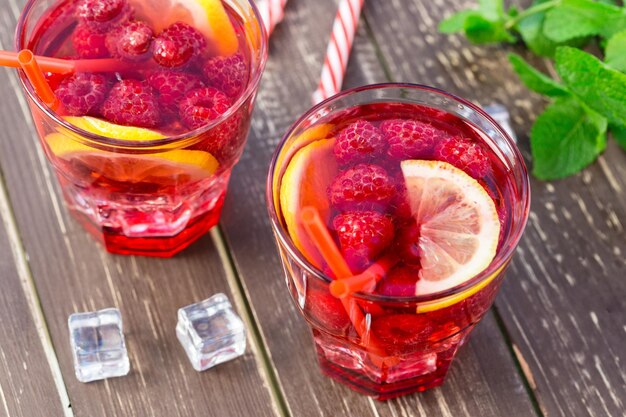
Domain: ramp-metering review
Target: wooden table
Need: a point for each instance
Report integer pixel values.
(553, 345)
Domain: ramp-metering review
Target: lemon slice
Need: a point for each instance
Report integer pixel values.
(312, 134)
(211, 19)
(304, 183)
(110, 130)
(208, 16)
(459, 225)
(168, 167)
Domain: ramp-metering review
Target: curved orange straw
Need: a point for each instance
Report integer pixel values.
(319, 234)
(29, 64)
(324, 242)
(365, 281)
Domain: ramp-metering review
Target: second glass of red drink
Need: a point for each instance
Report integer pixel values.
(396, 209)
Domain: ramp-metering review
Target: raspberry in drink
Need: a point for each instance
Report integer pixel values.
(425, 198)
(144, 141)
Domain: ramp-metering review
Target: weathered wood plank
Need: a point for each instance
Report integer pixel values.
(73, 273)
(27, 385)
(483, 382)
(564, 298)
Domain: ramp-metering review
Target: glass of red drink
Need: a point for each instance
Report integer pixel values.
(426, 197)
(150, 126)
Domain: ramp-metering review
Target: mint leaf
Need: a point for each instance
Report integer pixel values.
(619, 134)
(599, 86)
(456, 22)
(535, 80)
(480, 30)
(531, 30)
(530, 27)
(566, 138)
(615, 51)
(491, 9)
(578, 18)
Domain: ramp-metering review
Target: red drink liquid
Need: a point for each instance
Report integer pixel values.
(347, 163)
(144, 155)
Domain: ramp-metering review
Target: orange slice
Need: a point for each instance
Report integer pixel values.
(459, 226)
(304, 183)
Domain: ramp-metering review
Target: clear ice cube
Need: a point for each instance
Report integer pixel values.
(211, 332)
(98, 346)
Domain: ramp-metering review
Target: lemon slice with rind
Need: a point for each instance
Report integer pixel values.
(459, 225)
(168, 167)
(207, 16)
(304, 183)
(110, 130)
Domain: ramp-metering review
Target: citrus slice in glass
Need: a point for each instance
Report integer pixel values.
(207, 16)
(458, 221)
(168, 167)
(310, 171)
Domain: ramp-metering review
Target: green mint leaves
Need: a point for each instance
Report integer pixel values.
(483, 25)
(589, 96)
(566, 138)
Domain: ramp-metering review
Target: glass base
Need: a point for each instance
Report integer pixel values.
(381, 391)
(351, 365)
(163, 246)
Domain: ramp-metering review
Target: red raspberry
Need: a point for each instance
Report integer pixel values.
(327, 310)
(228, 74)
(132, 103)
(362, 187)
(130, 41)
(400, 202)
(410, 139)
(89, 43)
(401, 333)
(359, 142)
(407, 243)
(171, 87)
(203, 105)
(82, 93)
(363, 236)
(399, 282)
(99, 11)
(464, 154)
(178, 44)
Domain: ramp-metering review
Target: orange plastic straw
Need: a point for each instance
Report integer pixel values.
(37, 79)
(365, 281)
(68, 66)
(47, 64)
(317, 231)
(324, 242)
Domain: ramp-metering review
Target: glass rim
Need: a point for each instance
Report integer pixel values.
(147, 144)
(501, 258)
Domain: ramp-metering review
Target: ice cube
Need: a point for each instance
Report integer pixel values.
(98, 346)
(211, 332)
(501, 115)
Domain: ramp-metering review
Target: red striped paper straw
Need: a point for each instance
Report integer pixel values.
(272, 13)
(338, 51)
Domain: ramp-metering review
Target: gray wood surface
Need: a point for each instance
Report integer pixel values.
(552, 346)
(25, 373)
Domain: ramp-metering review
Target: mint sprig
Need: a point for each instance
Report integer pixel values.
(589, 96)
